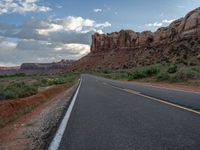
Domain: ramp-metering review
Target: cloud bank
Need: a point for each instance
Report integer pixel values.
(21, 6)
(47, 40)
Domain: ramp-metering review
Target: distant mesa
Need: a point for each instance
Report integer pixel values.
(35, 68)
(177, 43)
(46, 66)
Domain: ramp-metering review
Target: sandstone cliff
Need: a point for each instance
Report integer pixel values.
(177, 43)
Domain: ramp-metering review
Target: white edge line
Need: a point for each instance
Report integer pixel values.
(59, 134)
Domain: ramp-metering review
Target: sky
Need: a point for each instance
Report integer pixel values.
(51, 30)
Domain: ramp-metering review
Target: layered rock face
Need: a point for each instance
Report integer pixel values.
(179, 29)
(177, 43)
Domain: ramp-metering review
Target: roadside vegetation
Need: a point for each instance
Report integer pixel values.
(156, 73)
(22, 85)
(13, 75)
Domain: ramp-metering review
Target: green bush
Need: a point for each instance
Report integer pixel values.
(158, 72)
(163, 76)
(105, 71)
(8, 94)
(18, 90)
(136, 74)
(184, 74)
(196, 68)
(57, 81)
(28, 85)
(49, 82)
(144, 72)
(172, 69)
(13, 75)
(152, 71)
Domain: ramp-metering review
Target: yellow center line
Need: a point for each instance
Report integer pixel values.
(131, 91)
(156, 99)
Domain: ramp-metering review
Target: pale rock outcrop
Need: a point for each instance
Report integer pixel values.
(190, 25)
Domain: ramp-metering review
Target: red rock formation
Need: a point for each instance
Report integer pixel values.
(177, 43)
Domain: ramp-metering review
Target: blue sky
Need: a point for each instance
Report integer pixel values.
(50, 30)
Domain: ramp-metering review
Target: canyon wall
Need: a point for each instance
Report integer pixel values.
(177, 43)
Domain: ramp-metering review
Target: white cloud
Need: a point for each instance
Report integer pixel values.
(2, 64)
(12, 53)
(66, 30)
(21, 6)
(168, 21)
(76, 23)
(106, 9)
(103, 25)
(97, 10)
(47, 40)
(52, 28)
(80, 49)
(71, 23)
(155, 24)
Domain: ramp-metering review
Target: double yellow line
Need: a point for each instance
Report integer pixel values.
(156, 99)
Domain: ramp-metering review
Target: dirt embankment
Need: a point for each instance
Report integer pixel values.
(10, 110)
(33, 130)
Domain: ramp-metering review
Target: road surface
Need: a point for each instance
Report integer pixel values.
(113, 115)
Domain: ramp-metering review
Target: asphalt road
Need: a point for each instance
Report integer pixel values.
(113, 115)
